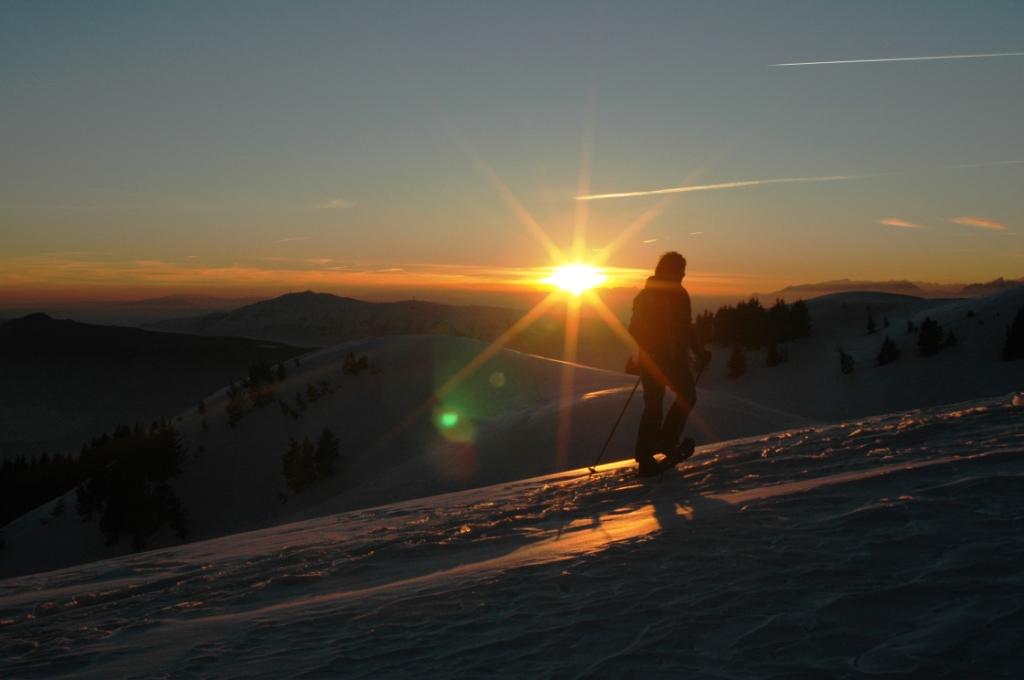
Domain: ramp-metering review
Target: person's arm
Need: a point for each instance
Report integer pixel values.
(684, 324)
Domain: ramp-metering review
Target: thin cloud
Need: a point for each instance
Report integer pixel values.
(938, 57)
(979, 222)
(649, 240)
(789, 180)
(897, 222)
(716, 187)
(696, 233)
(337, 204)
(290, 239)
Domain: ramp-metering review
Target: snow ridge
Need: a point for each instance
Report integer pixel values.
(884, 545)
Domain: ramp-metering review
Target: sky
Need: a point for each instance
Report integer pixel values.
(399, 148)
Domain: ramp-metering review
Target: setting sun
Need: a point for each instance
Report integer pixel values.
(576, 278)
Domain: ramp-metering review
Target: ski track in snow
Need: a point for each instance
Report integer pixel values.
(888, 546)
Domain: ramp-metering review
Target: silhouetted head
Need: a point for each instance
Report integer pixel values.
(671, 267)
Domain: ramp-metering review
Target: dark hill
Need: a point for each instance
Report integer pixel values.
(62, 382)
(322, 319)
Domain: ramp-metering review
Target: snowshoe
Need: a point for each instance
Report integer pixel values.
(652, 467)
(649, 467)
(681, 452)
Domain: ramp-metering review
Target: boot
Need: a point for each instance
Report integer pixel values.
(647, 467)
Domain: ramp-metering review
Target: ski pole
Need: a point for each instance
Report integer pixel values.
(593, 468)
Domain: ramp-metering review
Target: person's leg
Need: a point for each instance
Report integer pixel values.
(685, 398)
(647, 436)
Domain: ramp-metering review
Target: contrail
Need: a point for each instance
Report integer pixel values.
(785, 180)
(939, 57)
(714, 187)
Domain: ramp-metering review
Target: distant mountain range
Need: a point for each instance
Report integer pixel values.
(185, 300)
(124, 312)
(322, 319)
(901, 287)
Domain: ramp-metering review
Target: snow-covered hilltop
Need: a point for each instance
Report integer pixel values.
(887, 546)
(394, 441)
(811, 384)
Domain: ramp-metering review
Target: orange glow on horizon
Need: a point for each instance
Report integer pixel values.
(49, 278)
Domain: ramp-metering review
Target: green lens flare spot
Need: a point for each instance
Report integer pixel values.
(497, 379)
(449, 419)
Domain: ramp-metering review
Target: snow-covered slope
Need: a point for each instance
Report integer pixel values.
(888, 547)
(812, 385)
(508, 424)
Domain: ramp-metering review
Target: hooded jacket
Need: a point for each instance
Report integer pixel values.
(661, 322)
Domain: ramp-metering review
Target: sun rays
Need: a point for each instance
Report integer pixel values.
(573, 279)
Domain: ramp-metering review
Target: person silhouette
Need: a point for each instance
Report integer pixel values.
(663, 329)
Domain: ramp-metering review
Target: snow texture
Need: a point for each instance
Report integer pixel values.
(889, 546)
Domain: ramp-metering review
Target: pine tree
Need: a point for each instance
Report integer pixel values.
(871, 326)
(846, 364)
(308, 461)
(1014, 347)
(737, 365)
(298, 465)
(290, 466)
(326, 455)
(800, 320)
(929, 339)
(235, 406)
(704, 327)
(779, 322)
(888, 353)
(124, 480)
(771, 357)
(348, 366)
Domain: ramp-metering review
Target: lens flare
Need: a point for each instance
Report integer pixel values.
(449, 419)
(576, 278)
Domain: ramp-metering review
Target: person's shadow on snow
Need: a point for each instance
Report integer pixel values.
(675, 510)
